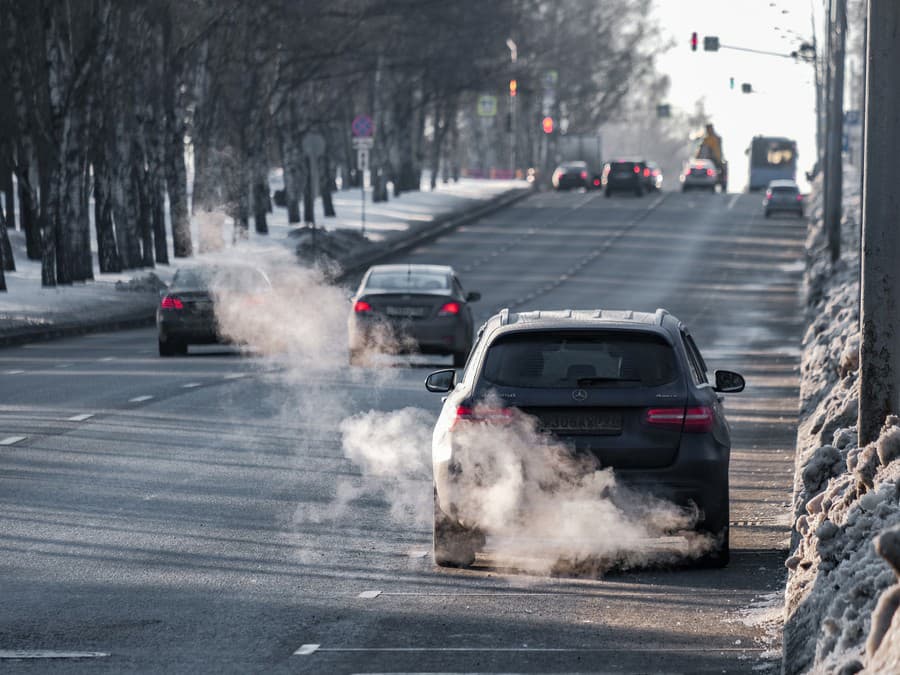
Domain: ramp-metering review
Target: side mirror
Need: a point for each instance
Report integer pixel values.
(728, 382)
(474, 296)
(441, 381)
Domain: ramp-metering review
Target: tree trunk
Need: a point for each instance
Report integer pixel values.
(261, 196)
(144, 211)
(309, 209)
(107, 253)
(7, 264)
(6, 183)
(28, 213)
(124, 199)
(327, 184)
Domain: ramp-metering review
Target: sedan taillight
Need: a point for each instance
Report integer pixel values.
(449, 309)
(171, 302)
(466, 413)
(361, 306)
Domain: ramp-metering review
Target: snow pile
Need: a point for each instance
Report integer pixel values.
(844, 496)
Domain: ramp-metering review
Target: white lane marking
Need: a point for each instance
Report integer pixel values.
(306, 650)
(12, 440)
(139, 399)
(417, 554)
(733, 202)
(235, 376)
(63, 365)
(108, 358)
(81, 418)
(47, 654)
(14, 372)
(190, 385)
(369, 595)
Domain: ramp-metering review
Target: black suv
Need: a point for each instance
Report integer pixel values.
(626, 390)
(624, 176)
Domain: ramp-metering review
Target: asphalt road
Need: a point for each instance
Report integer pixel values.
(199, 514)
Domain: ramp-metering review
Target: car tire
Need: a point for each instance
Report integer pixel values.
(719, 556)
(607, 193)
(684, 188)
(166, 348)
(453, 544)
(768, 214)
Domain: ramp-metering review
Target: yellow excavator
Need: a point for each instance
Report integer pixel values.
(710, 147)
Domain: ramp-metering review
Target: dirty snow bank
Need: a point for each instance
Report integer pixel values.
(841, 590)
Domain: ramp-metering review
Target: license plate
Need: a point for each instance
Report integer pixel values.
(582, 422)
(408, 312)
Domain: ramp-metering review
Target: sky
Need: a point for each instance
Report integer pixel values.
(783, 102)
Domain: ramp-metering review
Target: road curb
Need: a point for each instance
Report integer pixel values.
(64, 329)
(441, 225)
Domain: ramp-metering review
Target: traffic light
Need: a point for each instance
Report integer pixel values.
(694, 42)
(747, 88)
(731, 83)
(710, 43)
(513, 87)
(547, 125)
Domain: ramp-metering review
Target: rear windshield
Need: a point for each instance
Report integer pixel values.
(788, 190)
(622, 166)
(408, 281)
(237, 278)
(595, 359)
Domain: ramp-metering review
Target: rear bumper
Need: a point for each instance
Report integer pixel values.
(441, 335)
(192, 330)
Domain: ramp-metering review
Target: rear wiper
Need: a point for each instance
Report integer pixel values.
(587, 381)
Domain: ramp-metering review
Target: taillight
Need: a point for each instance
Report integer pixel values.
(690, 420)
(596, 182)
(584, 175)
(647, 173)
(466, 413)
(362, 306)
(637, 169)
(799, 198)
(449, 309)
(768, 194)
(171, 302)
(709, 172)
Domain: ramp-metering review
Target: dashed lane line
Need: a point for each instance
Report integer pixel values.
(83, 417)
(369, 595)
(48, 654)
(312, 648)
(732, 202)
(191, 385)
(139, 399)
(12, 440)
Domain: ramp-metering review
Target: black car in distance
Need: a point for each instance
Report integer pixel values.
(783, 196)
(625, 176)
(628, 388)
(569, 175)
(187, 309)
(411, 308)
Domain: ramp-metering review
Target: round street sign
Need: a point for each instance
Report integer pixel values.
(362, 126)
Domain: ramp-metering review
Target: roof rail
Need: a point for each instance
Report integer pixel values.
(661, 314)
(504, 316)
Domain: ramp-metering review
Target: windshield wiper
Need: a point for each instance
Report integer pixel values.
(587, 381)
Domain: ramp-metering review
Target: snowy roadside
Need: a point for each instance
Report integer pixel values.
(30, 312)
(841, 591)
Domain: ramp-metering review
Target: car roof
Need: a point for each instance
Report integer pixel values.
(783, 183)
(660, 322)
(429, 269)
(574, 162)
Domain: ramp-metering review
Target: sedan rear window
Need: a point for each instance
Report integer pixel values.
(413, 281)
(595, 359)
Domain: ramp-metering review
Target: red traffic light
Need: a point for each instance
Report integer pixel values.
(513, 87)
(547, 125)
(694, 42)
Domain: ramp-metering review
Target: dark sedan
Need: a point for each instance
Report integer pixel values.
(411, 308)
(187, 310)
(570, 175)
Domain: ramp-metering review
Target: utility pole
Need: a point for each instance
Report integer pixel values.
(837, 21)
(879, 393)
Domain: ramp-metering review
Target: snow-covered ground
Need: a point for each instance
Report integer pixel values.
(841, 592)
(28, 306)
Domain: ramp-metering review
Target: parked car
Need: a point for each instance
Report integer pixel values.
(630, 388)
(186, 313)
(699, 174)
(411, 308)
(570, 175)
(624, 176)
(783, 196)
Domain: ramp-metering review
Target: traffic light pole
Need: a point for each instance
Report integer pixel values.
(879, 393)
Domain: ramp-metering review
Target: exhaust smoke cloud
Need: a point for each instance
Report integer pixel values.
(543, 508)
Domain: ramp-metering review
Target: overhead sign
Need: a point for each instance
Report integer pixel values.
(363, 126)
(487, 105)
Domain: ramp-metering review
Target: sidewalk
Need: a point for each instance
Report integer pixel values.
(29, 312)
